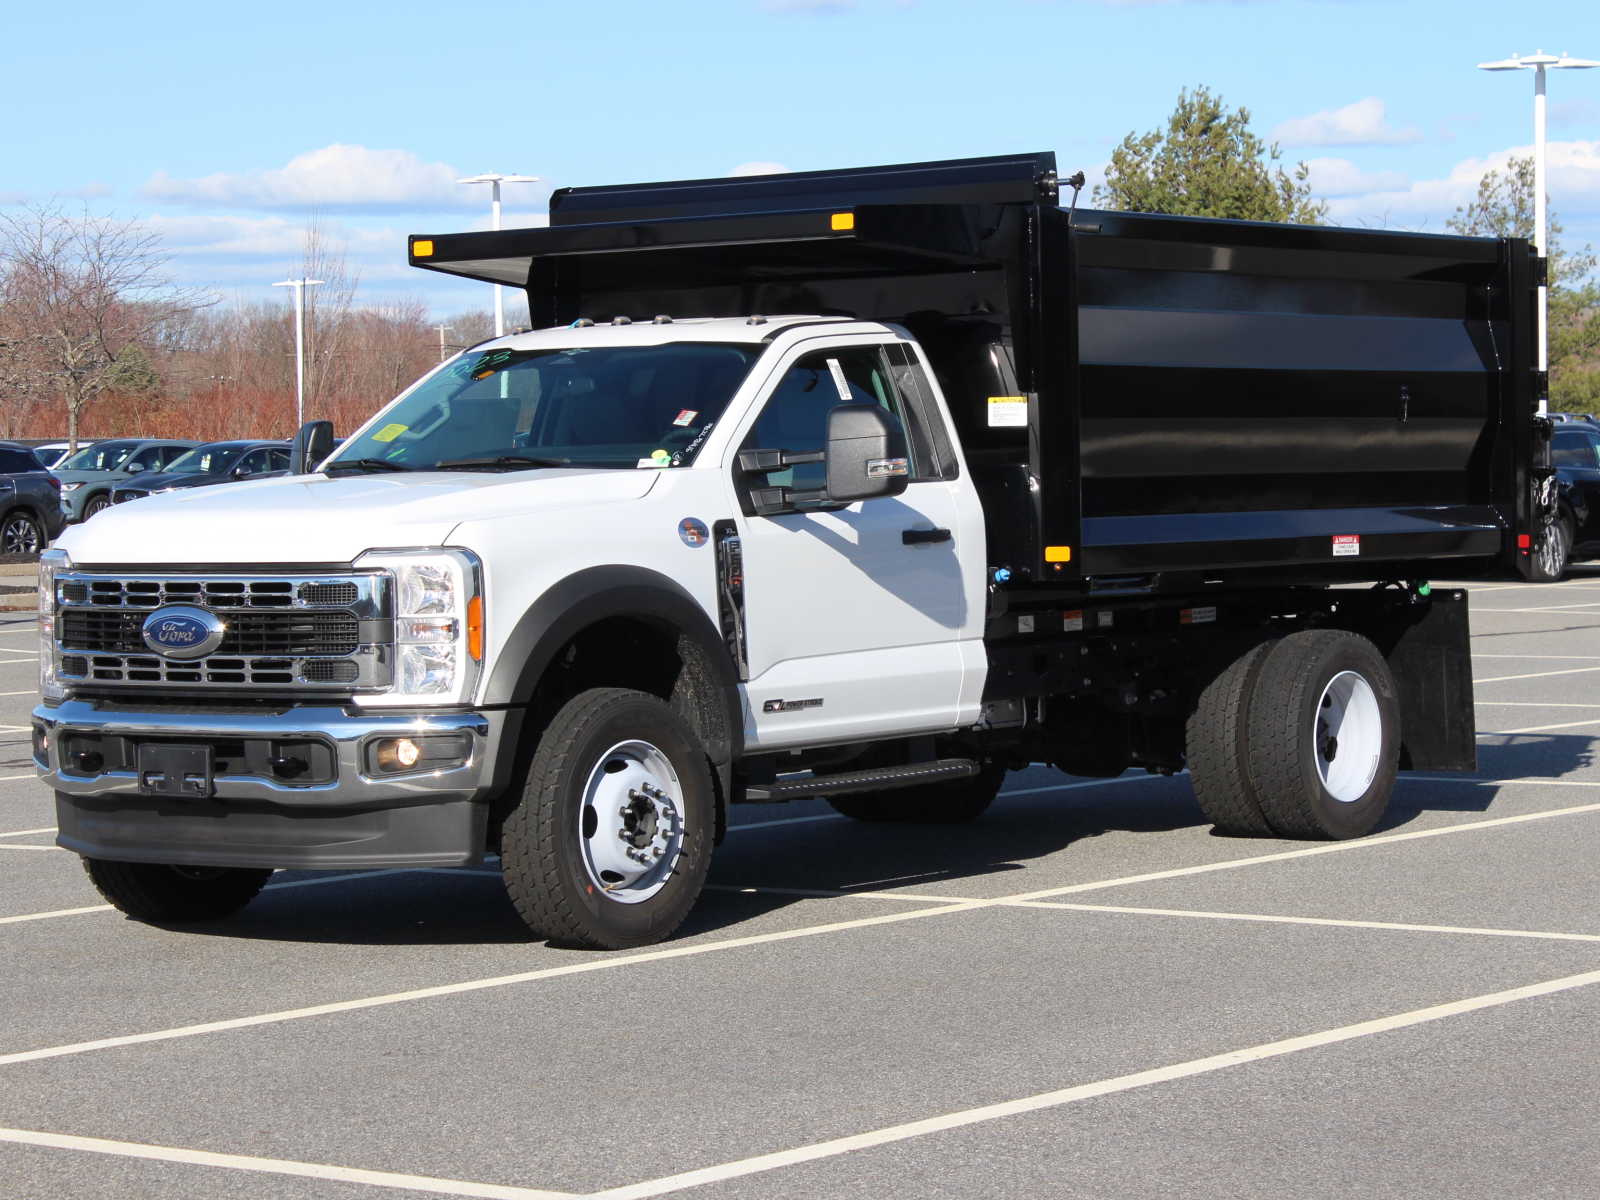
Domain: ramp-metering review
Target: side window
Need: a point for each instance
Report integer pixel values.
(145, 460)
(277, 459)
(930, 439)
(795, 417)
(16, 462)
(1572, 451)
(254, 463)
(171, 453)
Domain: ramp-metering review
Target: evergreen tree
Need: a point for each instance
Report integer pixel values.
(1207, 163)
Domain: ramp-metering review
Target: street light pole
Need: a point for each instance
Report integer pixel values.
(1538, 63)
(495, 181)
(299, 286)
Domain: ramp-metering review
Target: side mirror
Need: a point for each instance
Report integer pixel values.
(866, 454)
(311, 445)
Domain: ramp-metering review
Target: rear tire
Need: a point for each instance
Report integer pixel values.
(953, 802)
(1216, 745)
(1553, 552)
(1324, 735)
(21, 534)
(168, 895)
(610, 844)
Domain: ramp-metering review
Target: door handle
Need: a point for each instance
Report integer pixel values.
(922, 537)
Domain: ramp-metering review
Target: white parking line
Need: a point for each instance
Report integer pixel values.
(278, 1166)
(1273, 919)
(1541, 728)
(271, 887)
(1088, 1091)
(16, 846)
(615, 962)
(1529, 704)
(1547, 608)
(14, 778)
(1535, 657)
(1539, 675)
(23, 692)
(28, 832)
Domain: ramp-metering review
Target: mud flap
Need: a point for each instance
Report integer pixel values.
(1432, 666)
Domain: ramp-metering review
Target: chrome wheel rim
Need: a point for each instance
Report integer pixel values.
(630, 824)
(1347, 731)
(1553, 548)
(20, 536)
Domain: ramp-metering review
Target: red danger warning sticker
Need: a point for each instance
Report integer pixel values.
(1346, 545)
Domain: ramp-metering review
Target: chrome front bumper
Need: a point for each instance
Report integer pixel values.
(356, 818)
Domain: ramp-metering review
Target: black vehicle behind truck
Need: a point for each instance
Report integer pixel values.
(1018, 484)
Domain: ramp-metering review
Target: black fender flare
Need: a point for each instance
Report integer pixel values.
(592, 595)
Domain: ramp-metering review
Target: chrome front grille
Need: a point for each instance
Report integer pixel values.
(288, 633)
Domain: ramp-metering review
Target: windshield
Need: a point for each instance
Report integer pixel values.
(499, 409)
(103, 456)
(205, 460)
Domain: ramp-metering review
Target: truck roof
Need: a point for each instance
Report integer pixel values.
(661, 330)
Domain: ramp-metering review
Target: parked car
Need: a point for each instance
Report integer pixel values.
(30, 502)
(89, 475)
(1575, 454)
(51, 453)
(210, 463)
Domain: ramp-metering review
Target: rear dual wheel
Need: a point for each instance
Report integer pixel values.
(1299, 737)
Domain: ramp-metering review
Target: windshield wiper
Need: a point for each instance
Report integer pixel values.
(500, 462)
(364, 464)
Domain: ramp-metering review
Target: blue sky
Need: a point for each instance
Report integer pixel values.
(227, 127)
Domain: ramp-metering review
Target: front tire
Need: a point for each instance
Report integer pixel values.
(953, 802)
(95, 505)
(168, 895)
(609, 846)
(1324, 735)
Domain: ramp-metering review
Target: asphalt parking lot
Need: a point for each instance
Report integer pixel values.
(1085, 994)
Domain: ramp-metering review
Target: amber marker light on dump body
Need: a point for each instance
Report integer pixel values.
(842, 222)
(422, 248)
(475, 628)
(1058, 554)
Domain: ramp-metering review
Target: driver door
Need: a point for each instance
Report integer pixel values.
(859, 619)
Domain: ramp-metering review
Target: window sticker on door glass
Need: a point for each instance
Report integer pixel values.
(839, 381)
(685, 417)
(389, 432)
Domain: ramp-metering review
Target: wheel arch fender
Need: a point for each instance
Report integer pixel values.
(597, 594)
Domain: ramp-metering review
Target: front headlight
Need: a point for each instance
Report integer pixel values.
(72, 487)
(438, 624)
(50, 561)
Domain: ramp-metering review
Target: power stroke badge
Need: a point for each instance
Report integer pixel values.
(180, 631)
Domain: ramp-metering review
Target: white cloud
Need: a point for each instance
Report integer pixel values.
(1341, 177)
(352, 178)
(1360, 124)
(758, 168)
(1574, 186)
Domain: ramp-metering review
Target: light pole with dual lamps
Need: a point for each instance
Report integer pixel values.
(299, 286)
(1539, 63)
(494, 223)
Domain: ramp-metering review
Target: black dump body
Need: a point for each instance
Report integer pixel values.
(1207, 401)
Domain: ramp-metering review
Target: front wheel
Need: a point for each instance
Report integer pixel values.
(169, 895)
(1324, 735)
(97, 504)
(610, 843)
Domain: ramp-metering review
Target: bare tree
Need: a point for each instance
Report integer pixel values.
(81, 298)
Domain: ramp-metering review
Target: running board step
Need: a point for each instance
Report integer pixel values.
(876, 780)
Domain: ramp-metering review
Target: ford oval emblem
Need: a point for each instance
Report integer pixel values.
(180, 631)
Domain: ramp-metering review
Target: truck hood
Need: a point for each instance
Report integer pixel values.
(316, 519)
